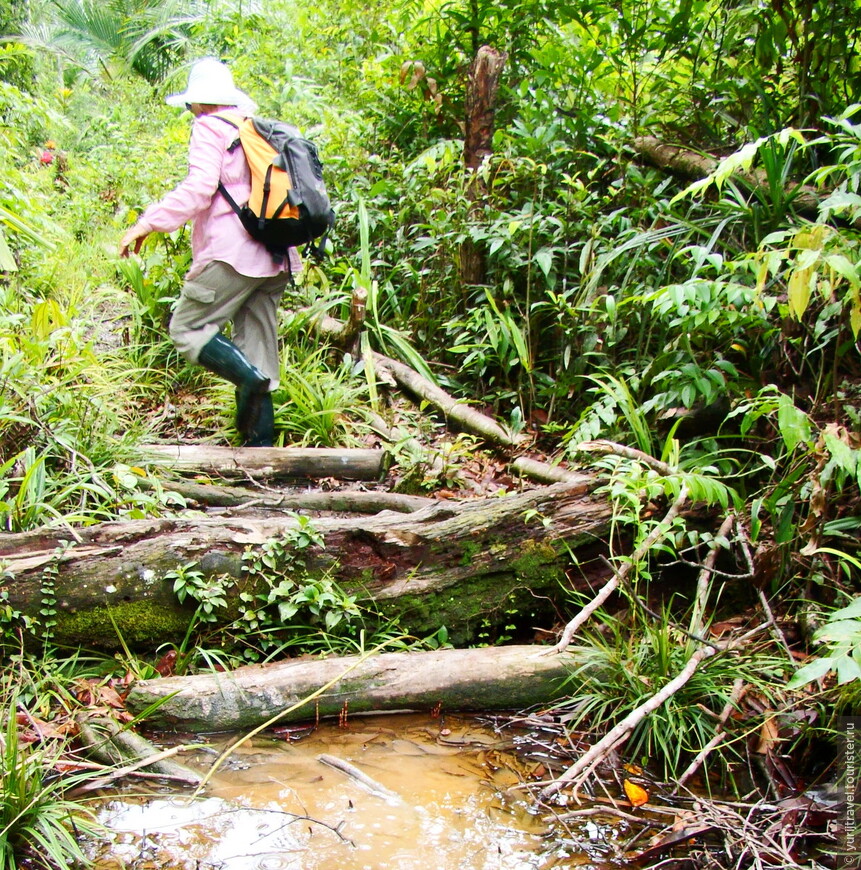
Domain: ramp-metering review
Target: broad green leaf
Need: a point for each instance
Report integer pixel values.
(807, 258)
(847, 669)
(851, 611)
(840, 200)
(844, 267)
(544, 258)
(841, 631)
(812, 671)
(847, 458)
(793, 423)
(855, 320)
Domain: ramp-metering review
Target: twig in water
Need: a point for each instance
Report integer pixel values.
(120, 772)
(358, 776)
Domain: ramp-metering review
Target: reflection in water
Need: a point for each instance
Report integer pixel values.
(440, 804)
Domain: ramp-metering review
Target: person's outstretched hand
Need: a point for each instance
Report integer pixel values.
(135, 235)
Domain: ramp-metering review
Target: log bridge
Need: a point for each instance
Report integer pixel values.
(466, 564)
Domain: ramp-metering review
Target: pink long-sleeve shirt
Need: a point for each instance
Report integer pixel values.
(217, 233)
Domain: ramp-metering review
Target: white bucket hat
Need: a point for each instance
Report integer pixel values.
(210, 82)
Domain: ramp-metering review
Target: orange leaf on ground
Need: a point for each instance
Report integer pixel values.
(637, 795)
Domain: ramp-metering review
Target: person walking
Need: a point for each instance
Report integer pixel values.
(233, 278)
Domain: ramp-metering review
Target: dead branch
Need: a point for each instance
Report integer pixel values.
(358, 776)
(347, 501)
(134, 769)
(542, 471)
(660, 530)
(107, 741)
(704, 578)
(268, 462)
(455, 412)
(738, 689)
(584, 766)
(606, 448)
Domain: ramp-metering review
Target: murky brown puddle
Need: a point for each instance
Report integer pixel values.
(273, 805)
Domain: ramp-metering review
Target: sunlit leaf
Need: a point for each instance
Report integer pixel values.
(798, 290)
(7, 261)
(814, 670)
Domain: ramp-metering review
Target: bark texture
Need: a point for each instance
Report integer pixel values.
(458, 564)
(481, 90)
(491, 678)
(267, 462)
(694, 165)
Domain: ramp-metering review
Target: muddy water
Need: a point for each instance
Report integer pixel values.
(435, 798)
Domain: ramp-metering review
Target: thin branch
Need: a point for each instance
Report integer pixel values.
(584, 766)
(705, 576)
(607, 589)
(775, 628)
(738, 690)
(606, 448)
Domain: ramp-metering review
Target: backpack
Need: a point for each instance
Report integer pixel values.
(288, 205)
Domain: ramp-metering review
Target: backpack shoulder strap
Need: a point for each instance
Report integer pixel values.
(234, 121)
(229, 119)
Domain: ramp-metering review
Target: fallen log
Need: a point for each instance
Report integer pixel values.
(266, 462)
(465, 565)
(345, 501)
(490, 678)
(458, 413)
(695, 165)
(104, 739)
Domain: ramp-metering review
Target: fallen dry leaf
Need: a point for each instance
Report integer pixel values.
(637, 795)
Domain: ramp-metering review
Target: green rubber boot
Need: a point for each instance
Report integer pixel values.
(224, 358)
(262, 433)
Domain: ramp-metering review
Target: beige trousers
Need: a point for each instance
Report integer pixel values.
(218, 295)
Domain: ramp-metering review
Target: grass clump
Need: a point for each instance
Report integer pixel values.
(40, 825)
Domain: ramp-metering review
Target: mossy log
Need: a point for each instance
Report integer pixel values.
(489, 678)
(466, 565)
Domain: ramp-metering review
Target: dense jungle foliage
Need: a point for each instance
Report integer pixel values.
(708, 320)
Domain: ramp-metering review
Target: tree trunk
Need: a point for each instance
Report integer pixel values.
(481, 89)
(465, 565)
(491, 678)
